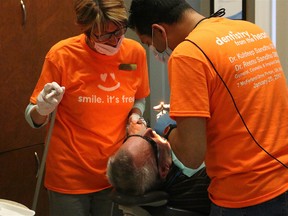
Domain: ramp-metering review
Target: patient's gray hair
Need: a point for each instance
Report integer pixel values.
(127, 178)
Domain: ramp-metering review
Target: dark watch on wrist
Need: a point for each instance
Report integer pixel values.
(168, 130)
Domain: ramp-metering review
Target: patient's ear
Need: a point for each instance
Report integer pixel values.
(163, 169)
(165, 160)
(164, 152)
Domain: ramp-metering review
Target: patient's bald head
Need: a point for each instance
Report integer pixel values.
(140, 164)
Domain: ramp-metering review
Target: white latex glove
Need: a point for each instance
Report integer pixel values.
(162, 109)
(136, 124)
(49, 98)
(162, 106)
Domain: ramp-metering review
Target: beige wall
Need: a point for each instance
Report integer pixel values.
(282, 33)
(130, 33)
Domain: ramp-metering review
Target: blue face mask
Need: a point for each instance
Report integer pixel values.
(161, 56)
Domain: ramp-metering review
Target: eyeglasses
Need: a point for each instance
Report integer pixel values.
(152, 143)
(105, 37)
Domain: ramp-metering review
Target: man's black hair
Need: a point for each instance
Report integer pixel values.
(144, 13)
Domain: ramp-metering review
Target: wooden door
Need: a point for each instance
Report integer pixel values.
(18, 177)
(28, 28)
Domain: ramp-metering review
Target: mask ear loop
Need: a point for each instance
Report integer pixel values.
(152, 38)
(166, 39)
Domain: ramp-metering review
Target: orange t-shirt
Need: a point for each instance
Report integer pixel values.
(241, 173)
(91, 118)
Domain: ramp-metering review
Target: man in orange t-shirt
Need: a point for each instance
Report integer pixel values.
(229, 100)
(99, 81)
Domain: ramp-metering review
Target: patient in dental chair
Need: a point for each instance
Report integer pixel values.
(144, 163)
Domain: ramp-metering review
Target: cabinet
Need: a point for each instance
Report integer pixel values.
(28, 28)
(19, 171)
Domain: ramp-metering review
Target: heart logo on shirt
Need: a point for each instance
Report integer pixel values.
(104, 78)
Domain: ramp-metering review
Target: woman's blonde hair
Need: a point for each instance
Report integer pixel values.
(91, 14)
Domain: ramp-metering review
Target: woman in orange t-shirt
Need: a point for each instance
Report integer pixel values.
(99, 81)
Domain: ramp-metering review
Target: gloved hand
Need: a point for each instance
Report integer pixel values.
(49, 98)
(162, 122)
(136, 124)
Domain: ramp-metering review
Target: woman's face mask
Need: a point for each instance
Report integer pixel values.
(107, 49)
(102, 43)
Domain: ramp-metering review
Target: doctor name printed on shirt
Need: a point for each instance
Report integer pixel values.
(256, 63)
(108, 99)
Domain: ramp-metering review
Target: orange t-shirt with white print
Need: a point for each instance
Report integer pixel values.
(241, 173)
(91, 119)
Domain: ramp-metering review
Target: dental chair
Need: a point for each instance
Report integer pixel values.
(153, 203)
